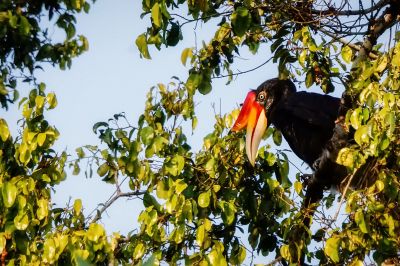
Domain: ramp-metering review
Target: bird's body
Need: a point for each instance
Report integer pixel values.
(306, 121)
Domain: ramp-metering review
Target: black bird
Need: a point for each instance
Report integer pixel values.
(307, 122)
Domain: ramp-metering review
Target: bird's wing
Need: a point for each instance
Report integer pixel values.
(316, 109)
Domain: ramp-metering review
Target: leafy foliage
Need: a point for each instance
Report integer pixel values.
(26, 44)
(200, 206)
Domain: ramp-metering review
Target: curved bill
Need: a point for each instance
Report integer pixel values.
(253, 116)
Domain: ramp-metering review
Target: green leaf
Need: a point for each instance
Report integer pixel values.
(360, 221)
(186, 53)
(180, 186)
(346, 157)
(200, 235)
(277, 137)
(285, 252)
(51, 100)
(95, 232)
(103, 169)
(139, 251)
(41, 138)
(241, 20)
(381, 66)
(205, 86)
(49, 253)
(162, 190)
(228, 212)
(298, 186)
(347, 54)
(80, 152)
(193, 81)
(204, 199)
(21, 221)
(156, 15)
(4, 131)
(141, 43)
(147, 135)
(77, 206)
(379, 185)
(178, 234)
(309, 78)
(152, 261)
(39, 101)
(43, 209)
(355, 118)
(175, 165)
(362, 135)
(3, 242)
(9, 193)
(332, 249)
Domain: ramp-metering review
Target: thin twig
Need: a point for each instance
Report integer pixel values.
(346, 42)
(342, 198)
(243, 72)
(113, 199)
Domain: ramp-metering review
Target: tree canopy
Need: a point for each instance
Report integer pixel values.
(203, 207)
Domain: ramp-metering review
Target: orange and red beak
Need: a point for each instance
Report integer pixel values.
(252, 115)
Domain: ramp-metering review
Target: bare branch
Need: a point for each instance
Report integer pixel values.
(109, 202)
(335, 12)
(243, 72)
(377, 28)
(346, 42)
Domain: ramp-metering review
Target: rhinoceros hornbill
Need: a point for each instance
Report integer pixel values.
(307, 122)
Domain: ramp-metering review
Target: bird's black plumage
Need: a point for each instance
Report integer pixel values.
(305, 119)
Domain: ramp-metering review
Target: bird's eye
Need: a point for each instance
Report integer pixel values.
(261, 96)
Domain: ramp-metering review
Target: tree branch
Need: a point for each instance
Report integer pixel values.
(335, 12)
(377, 28)
(346, 42)
(109, 202)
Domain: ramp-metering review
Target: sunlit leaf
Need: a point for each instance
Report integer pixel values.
(347, 54)
(332, 248)
(204, 199)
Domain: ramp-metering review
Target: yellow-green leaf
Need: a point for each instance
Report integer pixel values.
(9, 193)
(180, 186)
(77, 206)
(43, 209)
(51, 100)
(347, 54)
(360, 221)
(186, 53)
(3, 242)
(298, 186)
(139, 251)
(141, 43)
(156, 15)
(95, 232)
(41, 138)
(332, 248)
(204, 199)
(21, 221)
(4, 131)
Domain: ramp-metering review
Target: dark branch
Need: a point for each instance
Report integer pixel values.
(113, 199)
(335, 12)
(377, 28)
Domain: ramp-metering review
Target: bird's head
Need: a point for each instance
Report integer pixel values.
(256, 110)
